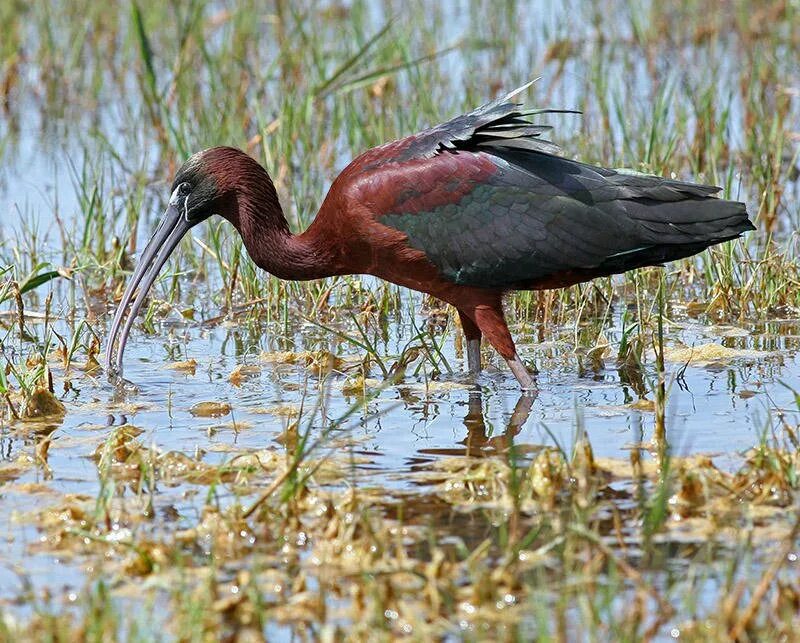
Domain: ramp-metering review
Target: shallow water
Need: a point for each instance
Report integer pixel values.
(721, 408)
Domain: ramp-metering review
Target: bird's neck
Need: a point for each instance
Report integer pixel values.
(273, 247)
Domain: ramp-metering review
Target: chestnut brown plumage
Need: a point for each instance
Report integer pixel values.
(466, 211)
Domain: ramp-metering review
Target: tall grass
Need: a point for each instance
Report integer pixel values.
(517, 540)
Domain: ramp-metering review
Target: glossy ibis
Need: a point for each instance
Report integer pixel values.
(466, 211)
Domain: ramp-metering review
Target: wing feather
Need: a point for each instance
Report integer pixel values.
(491, 204)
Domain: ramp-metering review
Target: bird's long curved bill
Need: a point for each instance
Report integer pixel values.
(170, 231)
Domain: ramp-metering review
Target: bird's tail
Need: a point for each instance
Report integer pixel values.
(680, 221)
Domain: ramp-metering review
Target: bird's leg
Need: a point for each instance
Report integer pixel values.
(473, 335)
(474, 355)
(492, 324)
(522, 374)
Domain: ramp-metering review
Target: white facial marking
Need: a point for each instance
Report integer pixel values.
(173, 200)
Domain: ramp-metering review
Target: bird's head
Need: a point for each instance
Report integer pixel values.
(217, 181)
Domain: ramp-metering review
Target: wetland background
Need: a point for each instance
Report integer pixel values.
(310, 461)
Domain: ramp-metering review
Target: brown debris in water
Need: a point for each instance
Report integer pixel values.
(210, 409)
(188, 366)
(705, 354)
(43, 404)
(242, 373)
(318, 362)
(327, 552)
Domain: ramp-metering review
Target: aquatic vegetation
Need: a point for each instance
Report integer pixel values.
(310, 459)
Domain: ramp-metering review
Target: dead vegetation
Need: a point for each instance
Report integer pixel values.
(308, 460)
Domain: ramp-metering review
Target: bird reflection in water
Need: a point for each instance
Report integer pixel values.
(479, 441)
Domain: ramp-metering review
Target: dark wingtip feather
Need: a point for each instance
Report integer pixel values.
(548, 110)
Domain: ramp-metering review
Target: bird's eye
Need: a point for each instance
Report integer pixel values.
(180, 192)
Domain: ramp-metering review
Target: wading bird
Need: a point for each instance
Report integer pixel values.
(466, 211)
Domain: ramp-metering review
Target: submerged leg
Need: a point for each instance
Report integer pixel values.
(492, 324)
(473, 335)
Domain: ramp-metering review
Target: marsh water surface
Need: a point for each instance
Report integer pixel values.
(227, 362)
